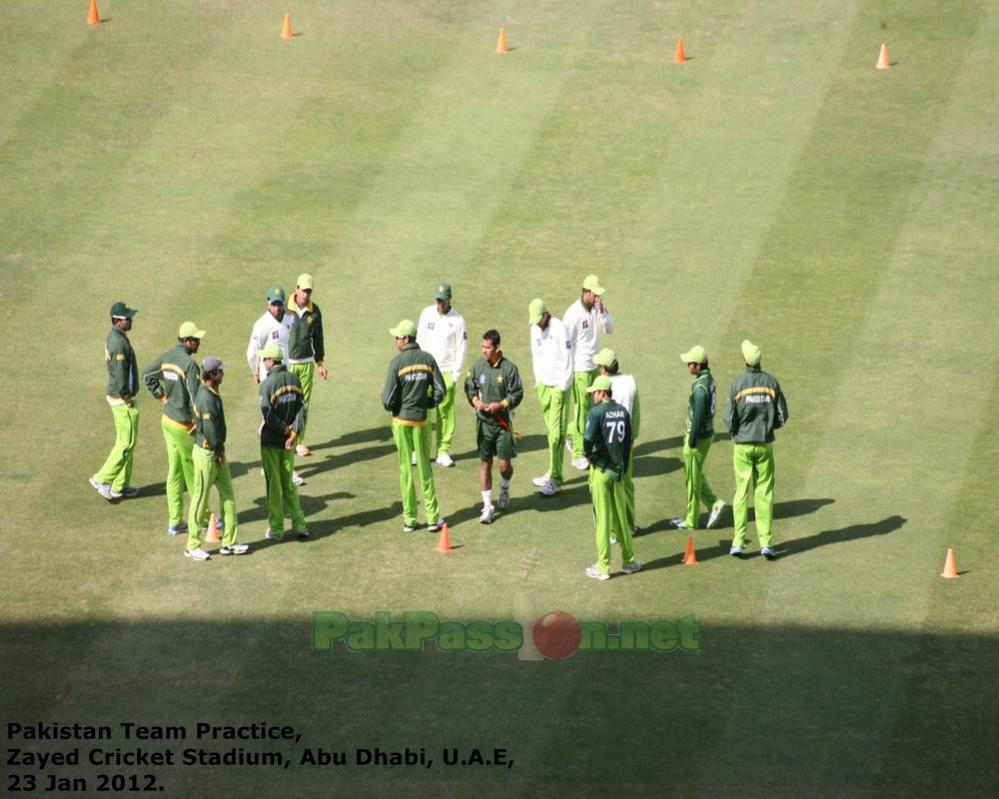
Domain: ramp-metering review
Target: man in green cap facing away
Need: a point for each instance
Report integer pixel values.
(210, 465)
(625, 392)
(112, 481)
(414, 384)
(755, 408)
(282, 409)
(306, 347)
(174, 379)
(607, 444)
(699, 434)
(551, 354)
(493, 388)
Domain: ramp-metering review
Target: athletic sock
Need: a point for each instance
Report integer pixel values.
(487, 498)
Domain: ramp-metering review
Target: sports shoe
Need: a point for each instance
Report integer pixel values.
(550, 489)
(197, 554)
(596, 574)
(303, 451)
(219, 523)
(271, 535)
(631, 568)
(768, 553)
(412, 460)
(302, 533)
(581, 463)
(297, 479)
(408, 528)
(716, 511)
(542, 481)
(113, 495)
(436, 526)
(130, 492)
(177, 529)
(736, 552)
(101, 488)
(679, 524)
(235, 549)
(613, 540)
(487, 515)
(504, 499)
(445, 460)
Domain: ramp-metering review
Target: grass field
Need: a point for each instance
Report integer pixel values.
(183, 157)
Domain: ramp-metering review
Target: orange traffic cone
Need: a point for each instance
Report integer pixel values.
(883, 62)
(690, 555)
(93, 18)
(212, 536)
(950, 566)
(679, 56)
(286, 30)
(501, 47)
(444, 542)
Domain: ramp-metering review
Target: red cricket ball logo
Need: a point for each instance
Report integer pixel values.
(557, 634)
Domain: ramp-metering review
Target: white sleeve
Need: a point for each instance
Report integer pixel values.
(566, 348)
(460, 350)
(421, 334)
(251, 349)
(536, 355)
(606, 322)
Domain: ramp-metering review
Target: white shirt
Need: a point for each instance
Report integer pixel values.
(584, 329)
(552, 354)
(624, 390)
(444, 337)
(268, 330)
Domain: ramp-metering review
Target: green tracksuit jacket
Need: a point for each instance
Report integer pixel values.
(607, 438)
(755, 407)
(176, 375)
(210, 433)
(282, 405)
(499, 383)
(701, 409)
(305, 340)
(123, 373)
(413, 385)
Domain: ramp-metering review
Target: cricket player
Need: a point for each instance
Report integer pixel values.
(607, 443)
(282, 410)
(699, 434)
(551, 354)
(174, 379)
(441, 332)
(625, 391)
(210, 465)
(414, 384)
(306, 347)
(585, 320)
(112, 481)
(493, 388)
(754, 409)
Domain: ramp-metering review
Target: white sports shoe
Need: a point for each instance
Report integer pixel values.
(297, 479)
(235, 549)
(550, 489)
(197, 554)
(445, 460)
(504, 498)
(487, 515)
(581, 463)
(631, 568)
(716, 512)
(596, 574)
(542, 481)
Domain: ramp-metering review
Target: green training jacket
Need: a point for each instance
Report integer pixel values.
(176, 375)
(305, 340)
(413, 385)
(701, 409)
(755, 407)
(123, 373)
(607, 438)
(210, 433)
(499, 383)
(282, 406)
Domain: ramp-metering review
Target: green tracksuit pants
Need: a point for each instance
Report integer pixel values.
(754, 465)
(698, 489)
(555, 410)
(180, 468)
(445, 417)
(306, 373)
(208, 473)
(607, 494)
(409, 439)
(580, 407)
(282, 495)
(117, 469)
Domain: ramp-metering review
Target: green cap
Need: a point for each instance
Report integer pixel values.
(403, 329)
(605, 357)
(121, 311)
(592, 283)
(443, 291)
(190, 330)
(536, 310)
(276, 294)
(695, 355)
(602, 383)
(304, 282)
(751, 353)
(272, 351)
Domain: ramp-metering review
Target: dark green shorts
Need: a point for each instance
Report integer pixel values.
(495, 440)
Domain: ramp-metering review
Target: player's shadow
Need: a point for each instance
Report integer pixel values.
(852, 533)
(310, 467)
(782, 510)
(311, 505)
(651, 447)
(380, 433)
(327, 527)
(650, 466)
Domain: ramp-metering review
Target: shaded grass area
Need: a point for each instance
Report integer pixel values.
(760, 710)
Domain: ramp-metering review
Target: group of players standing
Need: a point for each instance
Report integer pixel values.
(286, 349)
